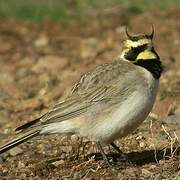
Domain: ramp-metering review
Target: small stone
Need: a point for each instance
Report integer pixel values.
(153, 116)
(66, 149)
(6, 131)
(88, 178)
(158, 177)
(132, 172)
(152, 167)
(21, 165)
(139, 137)
(41, 41)
(5, 171)
(146, 172)
(57, 163)
(142, 144)
(23, 176)
(120, 176)
(161, 162)
(63, 156)
(66, 178)
(76, 176)
(15, 151)
(74, 139)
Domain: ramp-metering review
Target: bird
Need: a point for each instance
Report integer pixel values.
(106, 103)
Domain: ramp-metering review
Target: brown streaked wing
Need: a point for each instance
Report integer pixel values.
(72, 107)
(94, 87)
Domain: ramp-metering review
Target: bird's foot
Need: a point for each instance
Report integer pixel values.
(123, 158)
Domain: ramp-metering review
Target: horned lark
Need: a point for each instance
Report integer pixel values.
(107, 103)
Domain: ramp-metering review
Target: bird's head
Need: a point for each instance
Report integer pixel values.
(138, 47)
(139, 50)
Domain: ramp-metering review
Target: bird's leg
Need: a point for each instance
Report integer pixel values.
(116, 148)
(84, 146)
(105, 158)
(123, 156)
(78, 149)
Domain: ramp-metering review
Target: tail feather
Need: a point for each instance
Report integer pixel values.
(19, 140)
(28, 124)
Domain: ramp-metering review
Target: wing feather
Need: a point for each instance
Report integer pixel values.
(72, 108)
(101, 84)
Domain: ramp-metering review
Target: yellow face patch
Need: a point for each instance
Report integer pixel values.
(146, 55)
(134, 44)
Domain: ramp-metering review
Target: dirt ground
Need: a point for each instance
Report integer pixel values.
(38, 64)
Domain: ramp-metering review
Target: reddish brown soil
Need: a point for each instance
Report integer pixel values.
(40, 62)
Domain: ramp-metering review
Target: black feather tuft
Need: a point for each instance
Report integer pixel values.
(28, 124)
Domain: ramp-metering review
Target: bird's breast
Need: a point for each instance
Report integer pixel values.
(126, 116)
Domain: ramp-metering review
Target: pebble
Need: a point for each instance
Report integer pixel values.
(153, 116)
(161, 162)
(152, 167)
(66, 149)
(15, 151)
(142, 144)
(41, 41)
(63, 156)
(57, 163)
(76, 176)
(4, 171)
(6, 131)
(74, 139)
(158, 177)
(66, 179)
(88, 178)
(139, 137)
(23, 176)
(120, 176)
(132, 172)
(21, 165)
(146, 172)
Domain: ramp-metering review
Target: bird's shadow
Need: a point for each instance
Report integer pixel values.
(139, 158)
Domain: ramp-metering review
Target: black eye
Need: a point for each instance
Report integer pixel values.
(134, 51)
(131, 54)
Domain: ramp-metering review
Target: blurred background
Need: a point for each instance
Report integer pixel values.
(77, 9)
(46, 45)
